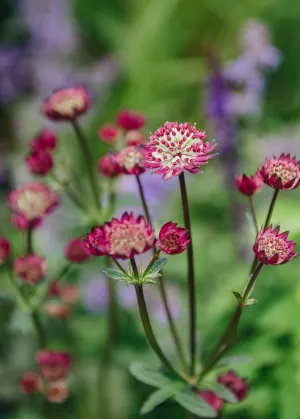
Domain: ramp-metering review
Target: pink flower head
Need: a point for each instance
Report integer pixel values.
(39, 163)
(109, 133)
(76, 251)
(134, 138)
(175, 147)
(22, 224)
(108, 166)
(172, 239)
(32, 200)
(57, 309)
(31, 268)
(4, 250)
(237, 385)
(122, 238)
(30, 383)
(53, 365)
(281, 173)
(45, 141)
(212, 399)
(131, 120)
(129, 160)
(249, 185)
(57, 392)
(66, 104)
(67, 292)
(273, 248)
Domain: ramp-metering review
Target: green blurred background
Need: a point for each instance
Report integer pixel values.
(150, 55)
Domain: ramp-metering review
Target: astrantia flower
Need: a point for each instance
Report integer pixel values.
(175, 147)
(39, 163)
(281, 173)
(31, 268)
(237, 385)
(273, 248)
(212, 399)
(172, 239)
(131, 120)
(53, 365)
(108, 166)
(57, 392)
(109, 133)
(21, 223)
(249, 185)
(30, 383)
(45, 141)
(66, 104)
(32, 200)
(130, 161)
(122, 238)
(134, 138)
(4, 250)
(76, 251)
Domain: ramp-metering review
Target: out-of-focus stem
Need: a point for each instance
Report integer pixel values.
(143, 199)
(29, 239)
(252, 209)
(191, 275)
(88, 160)
(271, 209)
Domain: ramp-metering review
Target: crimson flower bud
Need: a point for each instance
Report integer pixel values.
(249, 185)
(172, 239)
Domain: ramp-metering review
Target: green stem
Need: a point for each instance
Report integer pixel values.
(38, 327)
(72, 195)
(119, 266)
(252, 209)
(134, 268)
(29, 239)
(88, 160)
(143, 199)
(271, 209)
(148, 329)
(191, 275)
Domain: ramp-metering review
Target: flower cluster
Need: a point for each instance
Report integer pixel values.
(31, 268)
(54, 368)
(175, 147)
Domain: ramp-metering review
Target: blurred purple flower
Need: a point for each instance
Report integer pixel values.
(95, 294)
(126, 296)
(155, 304)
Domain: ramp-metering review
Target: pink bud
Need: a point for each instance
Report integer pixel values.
(109, 133)
(76, 251)
(30, 383)
(130, 120)
(31, 268)
(4, 250)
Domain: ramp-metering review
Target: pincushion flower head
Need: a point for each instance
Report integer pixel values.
(4, 250)
(39, 162)
(172, 239)
(130, 161)
(31, 268)
(66, 104)
(273, 248)
(76, 251)
(108, 166)
(109, 133)
(32, 200)
(237, 385)
(281, 173)
(249, 185)
(53, 365)
(130, 120)
(175, 147)
(122, 238)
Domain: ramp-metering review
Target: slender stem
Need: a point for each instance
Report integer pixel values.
(271, 209)
(228, 337)
(29, 239)
(252, 209)
(163, 292)
(148, 328)
(191, 275)
(119, 266)
(134, 268)
(37, 324)
(70, 193)
(143, 199)
(88, 160)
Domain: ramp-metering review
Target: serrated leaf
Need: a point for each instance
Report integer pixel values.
(233, 360)
(225, 393)
(151, 376)
(193, 403)
(157, 266)
(156, 398)
(114, 274)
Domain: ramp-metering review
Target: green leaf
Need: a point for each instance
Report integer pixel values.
(237, 295)
(192, 402)
(157, 398)
(151, 376)
(233, 360)
(225, 393)
(114, 274)
(157, 267)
